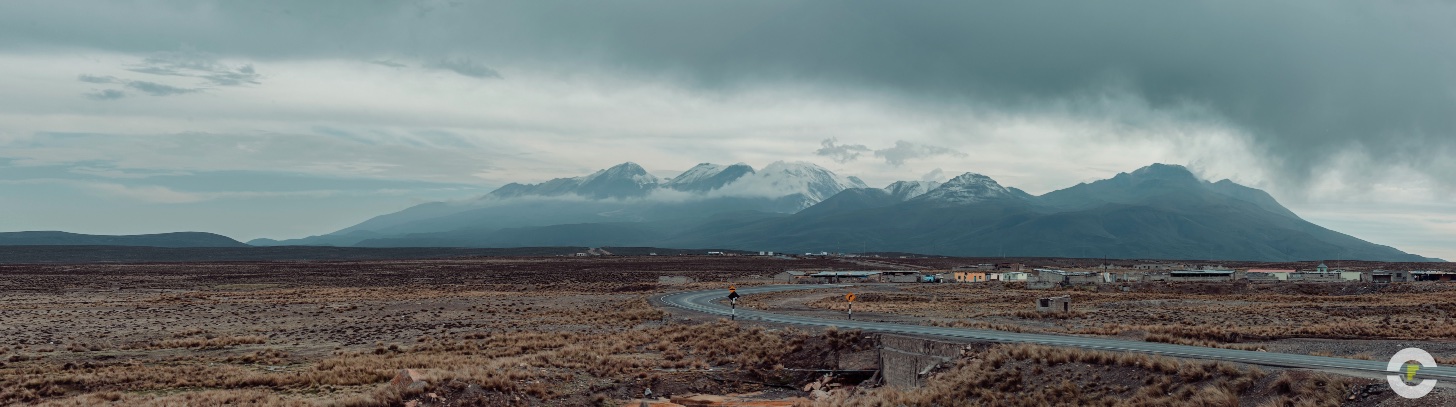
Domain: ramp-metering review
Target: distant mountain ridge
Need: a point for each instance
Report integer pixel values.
(175, 239)
(1155, 212)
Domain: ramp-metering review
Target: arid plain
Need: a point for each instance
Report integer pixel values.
(584, 331)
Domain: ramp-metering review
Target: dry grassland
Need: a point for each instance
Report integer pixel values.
(1220, 315)
(487, 332)
(1029, 375)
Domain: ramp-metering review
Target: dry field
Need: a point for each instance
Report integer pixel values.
(478, 332)
(1243, 316)
(1029, 375)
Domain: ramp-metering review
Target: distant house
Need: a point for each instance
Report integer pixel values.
(1010, 266)
(1382, 276)
(1316, 277)
(1012, 276)
(833, 277)
(900, 276)
(791, 277)
(1434, 275)
(1201, 275)
(1069, 277)
(968, 276)
(1054, 304)
(1268, 274)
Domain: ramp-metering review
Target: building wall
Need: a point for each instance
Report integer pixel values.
(903, 358)
(1054, 304)
(1216, 277)
(903, 278)
(1316, 277)
(969, 276)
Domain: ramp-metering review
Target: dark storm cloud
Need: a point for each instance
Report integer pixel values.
(1305, 79)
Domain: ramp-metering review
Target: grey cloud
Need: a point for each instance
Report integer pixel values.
(157, 89)
(905, 151)
(389, 63)
(1305, 79)
(99, 79)
(467, 67)
(193, 64)
(842, 153)
(106, 94)
(934, 175)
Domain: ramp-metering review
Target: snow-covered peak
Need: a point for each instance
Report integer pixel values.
(808, 182)
(697, 173)
(967, 188)
(628, 171)
(708, 176)
(904, 190)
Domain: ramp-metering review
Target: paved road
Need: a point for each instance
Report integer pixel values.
(707, 302)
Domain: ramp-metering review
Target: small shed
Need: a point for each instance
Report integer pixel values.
(1054, 304)
(791, 277)
(1382, 276)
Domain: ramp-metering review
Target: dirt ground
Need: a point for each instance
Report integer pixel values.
(566, 331)
(490, 331)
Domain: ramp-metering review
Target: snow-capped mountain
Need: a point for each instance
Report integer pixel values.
(1161, 211)
(810, 182)
(905, 190)
(707, 177)
(801, 182)
(967, 188)
(626, 180)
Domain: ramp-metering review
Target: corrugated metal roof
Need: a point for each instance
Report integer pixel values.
(843, 273)
(1212, 272)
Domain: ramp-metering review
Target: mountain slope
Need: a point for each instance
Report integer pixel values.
(1156, 212)
(1159, 212)
(621, 194)
(175, 239)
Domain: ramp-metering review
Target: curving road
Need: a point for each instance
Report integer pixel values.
(708, 302)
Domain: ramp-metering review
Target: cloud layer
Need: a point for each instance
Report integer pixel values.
(1316, 101)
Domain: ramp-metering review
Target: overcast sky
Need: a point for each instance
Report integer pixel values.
(286, 119)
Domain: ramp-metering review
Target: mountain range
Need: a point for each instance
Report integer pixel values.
(1156, 212)
(175, 239)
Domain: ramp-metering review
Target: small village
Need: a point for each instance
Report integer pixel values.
(1107, 274)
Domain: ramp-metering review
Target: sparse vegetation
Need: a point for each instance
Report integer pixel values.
(1202, 314)
(1029, 375)
(488, 331)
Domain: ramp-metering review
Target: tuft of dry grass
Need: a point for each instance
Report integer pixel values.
(1031, 375)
